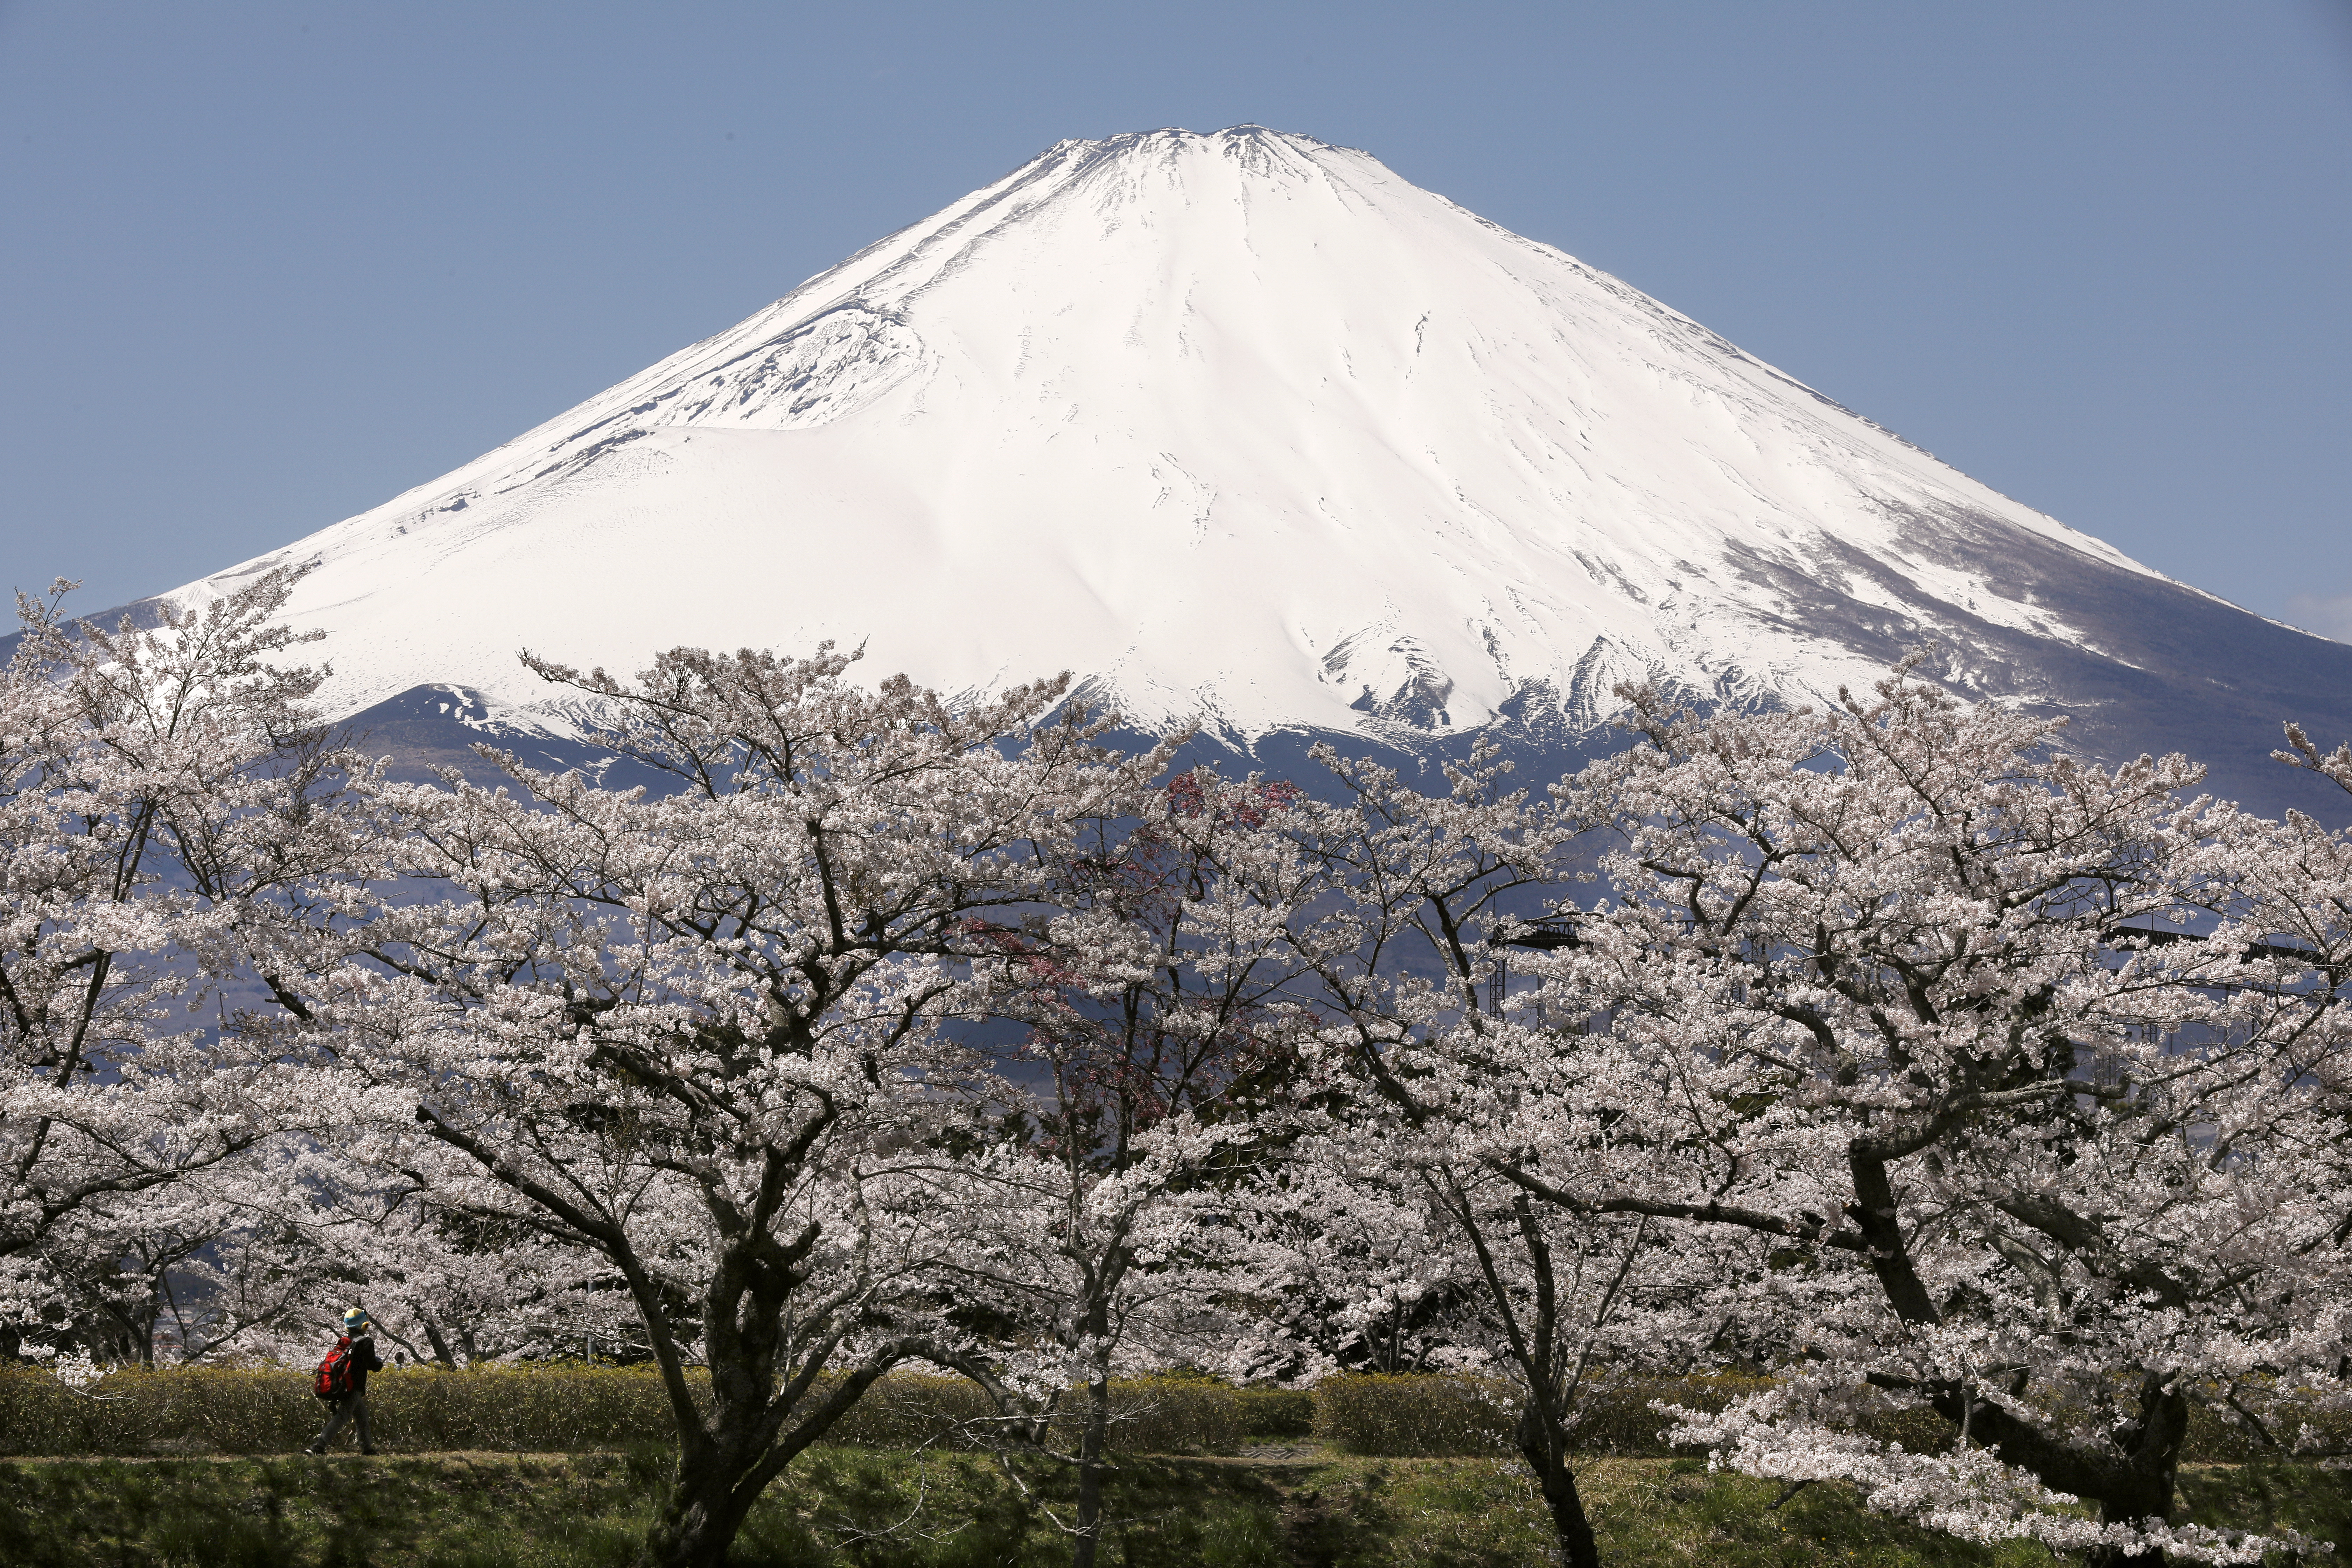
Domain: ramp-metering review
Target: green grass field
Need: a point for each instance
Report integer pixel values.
(1300, 1505)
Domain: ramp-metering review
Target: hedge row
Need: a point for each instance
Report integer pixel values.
(576, 1408)
(1403, 1416)
(1148, 1416)
(554, 1409)
(221, 1410)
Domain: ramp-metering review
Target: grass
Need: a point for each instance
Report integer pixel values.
(843, 1508)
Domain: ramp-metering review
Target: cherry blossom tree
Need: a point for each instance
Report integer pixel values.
(445, 1285)
(1889, 986)
(456, 1290)
(1158, 1031)
(702, 1034)
(1352, 1274)
(205, 1266)
(2298, 874)
(1975, 1071)
(1399, 903)
(153, 781)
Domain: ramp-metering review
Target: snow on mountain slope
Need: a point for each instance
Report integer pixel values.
(1241, 425)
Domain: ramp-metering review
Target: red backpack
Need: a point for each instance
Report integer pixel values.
(335, 1373)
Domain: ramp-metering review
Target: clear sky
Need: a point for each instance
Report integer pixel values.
(267, 264)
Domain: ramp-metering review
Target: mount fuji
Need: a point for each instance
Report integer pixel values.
(1246, 428)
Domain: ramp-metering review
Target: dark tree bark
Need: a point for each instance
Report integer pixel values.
(770, 1398)
(1538, 1334)
(1542, 1443)
(704, 1512)
(2135, 1486)
(441, 1351)
(754, 1429)
(1091, 1443)
(2132, 1478)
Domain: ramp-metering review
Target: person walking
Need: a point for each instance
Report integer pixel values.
(342, 1378)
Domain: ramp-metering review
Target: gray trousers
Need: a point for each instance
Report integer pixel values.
(349, 1407)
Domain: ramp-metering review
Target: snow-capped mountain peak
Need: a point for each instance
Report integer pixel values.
(1240, 425)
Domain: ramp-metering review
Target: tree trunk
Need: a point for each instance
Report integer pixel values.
(1090, 1452)
(2149, 1502)
(706, 1507)
(1540, 1442)
(2143, 1494)
(440, 1346)
(2111, 1512)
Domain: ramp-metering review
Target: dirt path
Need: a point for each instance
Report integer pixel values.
(1314, 1534)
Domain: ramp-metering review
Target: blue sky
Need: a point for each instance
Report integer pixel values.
(267, 264)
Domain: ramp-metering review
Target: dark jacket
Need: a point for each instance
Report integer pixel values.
(363, 1361)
